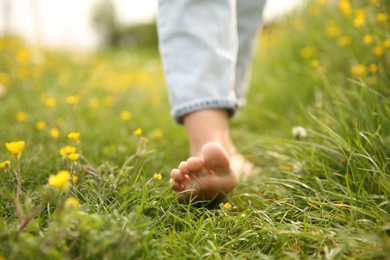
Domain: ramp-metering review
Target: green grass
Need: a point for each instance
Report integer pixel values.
(322, 196)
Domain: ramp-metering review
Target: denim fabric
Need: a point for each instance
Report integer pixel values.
(206, 47)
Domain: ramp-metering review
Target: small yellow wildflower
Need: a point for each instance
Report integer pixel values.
(332, 30)
(15, 148)
(125, 115)
(54, 133)
(74, 136)
(158, 134)
(372, 68)
(5, 164)
(358, 70)
(21, 116)
(72, 100)
(60, 180)
(94, 103)
(227, 206)
(4, 78)
(50, 102)
(315, 63)
(71, 203)
(74, 156)
(345, 7)
(386, 43)
(381, 17)
(108, 101)
(67, 150)
(359, 21)
(367, 39)
(307, 52)
(157, 176)
(377, 50)
(138, 132)
(75, 178)
(40, 125)
(374, 2)
(344, 40)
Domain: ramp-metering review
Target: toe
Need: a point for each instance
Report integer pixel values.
(183, 167)
(215, 157)
(194, 164)
(177, 175)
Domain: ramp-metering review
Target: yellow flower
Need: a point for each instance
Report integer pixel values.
(67, 150)
(15, 148)
(332, 30)
(74, 156)
(358, 70)
(344, 40)
(315, 63)
(60, 180)
(307, 52)
(75, 136)
(71, 203)
(40, 125)
(21, 116)
(374, 1)
(377, 50)
(108, 101)
(367, 39)
(54, 133)
(125, 115)
(386, 43)
(138, 132)
(227, 206)
(157, 176)
(5, 164)
(94, 103)
(381, 17)
(345, 7)
(72, 100)
(372, 68)
(50, 102)
(158, 134)
(359, 21)
(75, 178)
(4, 78)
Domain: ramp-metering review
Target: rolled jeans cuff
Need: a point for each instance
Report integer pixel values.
(227, 103)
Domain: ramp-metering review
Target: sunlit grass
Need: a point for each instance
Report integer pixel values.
(102, 121)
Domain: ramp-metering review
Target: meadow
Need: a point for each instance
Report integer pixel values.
(87, 144)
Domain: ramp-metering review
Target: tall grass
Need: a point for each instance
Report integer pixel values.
(323, 193)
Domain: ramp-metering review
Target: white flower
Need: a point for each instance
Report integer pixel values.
(299, 132)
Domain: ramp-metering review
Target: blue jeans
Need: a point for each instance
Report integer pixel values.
(206, 47)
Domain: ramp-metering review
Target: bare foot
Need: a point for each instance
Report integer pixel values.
(210, 176)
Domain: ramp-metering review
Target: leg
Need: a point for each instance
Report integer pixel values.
(198, 44)
(199, 48)
(249, 20)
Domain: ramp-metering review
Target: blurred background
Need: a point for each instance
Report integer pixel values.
(90, 24)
